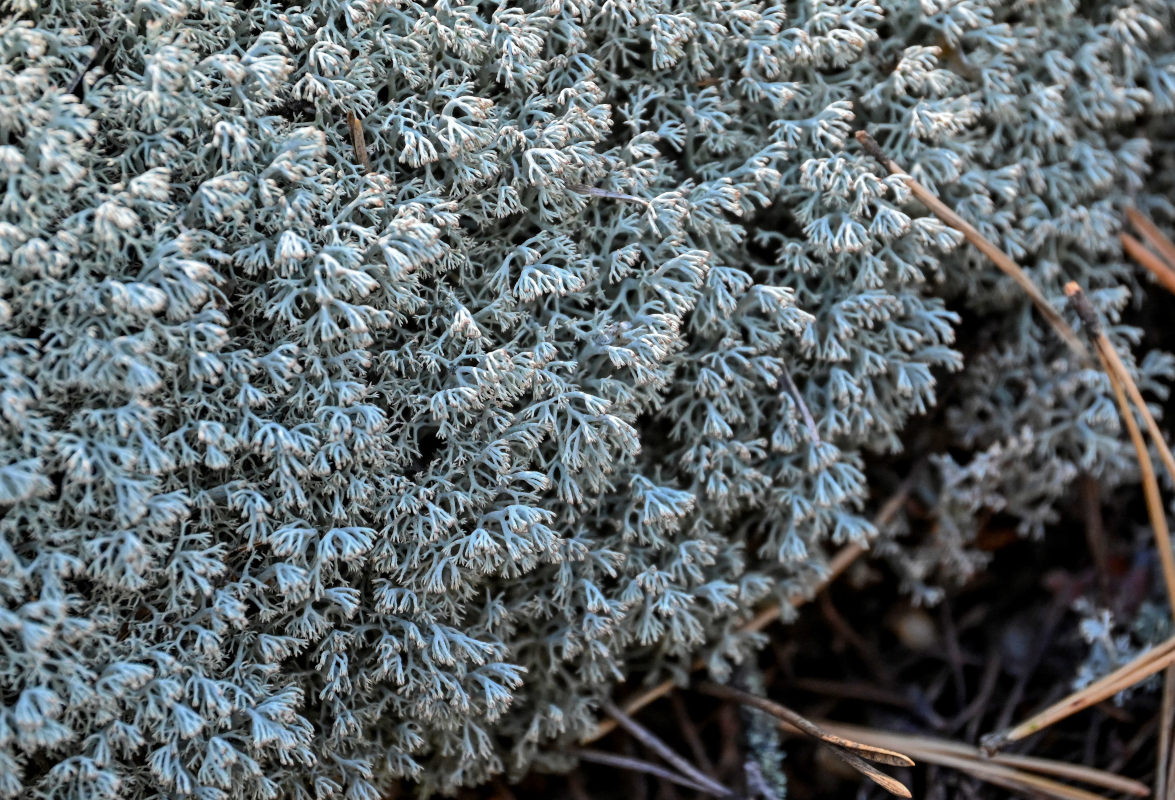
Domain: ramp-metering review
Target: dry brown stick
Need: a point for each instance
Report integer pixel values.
(1120, 381)
(1095, 529)
(1014, 779)
(637, 765)
(650, 740)
(1156, 266)
(981, 243)
(1154, 237)
(891, 785)
(355, 126)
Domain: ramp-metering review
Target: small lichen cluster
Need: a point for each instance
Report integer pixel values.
(314, 478)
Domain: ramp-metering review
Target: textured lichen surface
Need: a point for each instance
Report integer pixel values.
(313, 479)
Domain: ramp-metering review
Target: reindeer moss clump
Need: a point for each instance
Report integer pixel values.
(323, 467)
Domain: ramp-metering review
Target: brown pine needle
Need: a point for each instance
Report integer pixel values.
(855, 754)
(355, 126)
(1152, 427)
(1000, 769)
(1156, 266)
(891, 785)
(1152, 235)
(1121, 382)
(1166, 720)
(981, 243)
(840, 562)
(1154, 660)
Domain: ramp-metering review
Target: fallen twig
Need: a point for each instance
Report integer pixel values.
(855, 754)
(1121, 382)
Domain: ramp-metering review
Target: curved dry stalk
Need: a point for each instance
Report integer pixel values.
(853, 753)
(1122, 383)
(839, 564)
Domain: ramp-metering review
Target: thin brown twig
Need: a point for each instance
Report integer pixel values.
(1154, 237)
(355, 126)
(1095, 529)
(1166, 720)
(1118, 368)
(1156, 266)
(636, 765)
(855, 754)
(1120, 381)
(651, 741)
(761, 620)
(879, 754)
(981, 243)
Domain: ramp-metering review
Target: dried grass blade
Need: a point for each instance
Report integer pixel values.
(891, 785)
(1014, 779)
(1166, 721)
(1153, 236)
(1122, 383)
(1156, 266)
